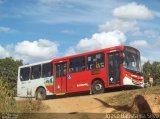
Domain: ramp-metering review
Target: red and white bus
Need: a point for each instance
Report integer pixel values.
(91, 71)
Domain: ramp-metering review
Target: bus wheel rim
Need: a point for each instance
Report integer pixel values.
(98, 87)
(40, 95)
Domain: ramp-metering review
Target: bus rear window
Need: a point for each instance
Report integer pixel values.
(46, 70)
(24, 74)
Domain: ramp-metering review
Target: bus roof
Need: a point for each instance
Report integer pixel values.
(32, 64)
(120, 47)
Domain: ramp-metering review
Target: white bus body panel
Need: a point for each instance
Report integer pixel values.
(128, 81)
(28, 88)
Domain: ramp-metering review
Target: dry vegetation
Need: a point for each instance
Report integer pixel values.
(135, 101)
(9, 104)
(127, 97)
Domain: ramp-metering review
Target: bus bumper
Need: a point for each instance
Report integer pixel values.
(129, 81)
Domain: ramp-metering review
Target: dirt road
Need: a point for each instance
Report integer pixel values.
(80, 104)
(110, 102)
(99, 106)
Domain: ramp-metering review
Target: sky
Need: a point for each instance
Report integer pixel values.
(38, 30)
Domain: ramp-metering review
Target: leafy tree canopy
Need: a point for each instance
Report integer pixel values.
(153, 70)
(9, 71)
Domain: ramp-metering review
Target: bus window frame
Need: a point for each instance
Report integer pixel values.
(77, 58)
(95, 55)
(32, 71)
(50, 70)
(28, 76)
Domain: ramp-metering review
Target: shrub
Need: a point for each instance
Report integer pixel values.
(7, 101)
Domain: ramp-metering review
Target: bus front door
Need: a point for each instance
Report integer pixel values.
(114, 68)
(61, 80)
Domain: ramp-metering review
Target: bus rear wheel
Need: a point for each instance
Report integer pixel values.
(97, 87)
(41, 94)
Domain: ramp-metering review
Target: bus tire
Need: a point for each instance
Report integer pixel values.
(97, 87)
(40, 94)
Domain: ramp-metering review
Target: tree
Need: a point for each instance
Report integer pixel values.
(9, 71)
(152, 69)
(147, 67)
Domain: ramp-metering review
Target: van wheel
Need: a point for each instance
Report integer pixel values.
(97, 87)
(41, 94)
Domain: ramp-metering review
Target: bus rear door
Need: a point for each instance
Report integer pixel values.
(61, 77)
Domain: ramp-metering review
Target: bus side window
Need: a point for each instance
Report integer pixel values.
(95, 61)
(36, 72)
(100, 60)
(24, 73)
(77, 64)
(46, 70)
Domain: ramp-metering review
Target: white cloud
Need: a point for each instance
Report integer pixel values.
(4, 29)
(119, 24)
(3, 52)
(69, 11)
(151, 33)
(37, 50)
(133, 11)
(70, 51)
(30, 51)
(139, 44)
(157, 44)
(144, 59)
(157, 13)
(67, 31)
(101, 40)
(49, 2)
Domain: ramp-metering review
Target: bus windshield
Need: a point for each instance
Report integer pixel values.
(132, 59)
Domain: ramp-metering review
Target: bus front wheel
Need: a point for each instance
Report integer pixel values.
(41, 94)
(97, 87)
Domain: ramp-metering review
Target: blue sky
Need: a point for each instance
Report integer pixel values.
(37, 30)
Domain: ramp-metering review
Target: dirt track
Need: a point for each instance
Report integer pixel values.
(80, 104)
(97, 103)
